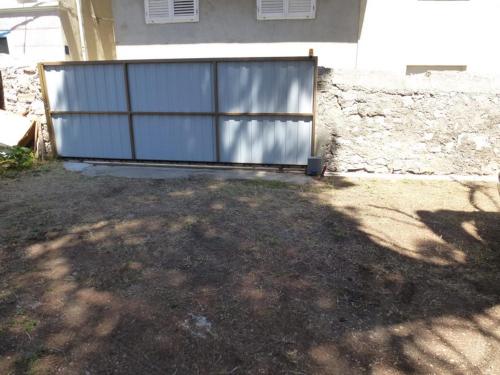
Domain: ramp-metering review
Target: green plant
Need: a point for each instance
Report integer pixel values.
(16, 158)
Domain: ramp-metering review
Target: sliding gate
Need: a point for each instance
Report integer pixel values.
(257, 111)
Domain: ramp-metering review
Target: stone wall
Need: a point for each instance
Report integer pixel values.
(23, 95)
(446, 123)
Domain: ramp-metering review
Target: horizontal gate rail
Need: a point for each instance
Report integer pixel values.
(181, 113)
(215, 113)
(174, 61)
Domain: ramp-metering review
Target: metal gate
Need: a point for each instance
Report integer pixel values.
(252, 111)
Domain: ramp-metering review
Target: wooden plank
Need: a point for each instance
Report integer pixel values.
(2, 98)
(165, 113)
(55, 113)
(315, 88)
(46, 104)
(175, 61)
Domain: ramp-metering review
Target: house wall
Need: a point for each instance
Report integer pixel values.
(397, 33)
(376, 35)
(99, 29)
(69, 22)
(40, 30)
(34, 31)
(230, 28)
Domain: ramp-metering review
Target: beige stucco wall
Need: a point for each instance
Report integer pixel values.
(99, 29)
(230, 28)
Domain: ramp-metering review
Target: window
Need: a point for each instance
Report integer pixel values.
(4, 46)
(167, 11)
(285, 9)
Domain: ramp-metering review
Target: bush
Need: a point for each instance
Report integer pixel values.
(16, 158)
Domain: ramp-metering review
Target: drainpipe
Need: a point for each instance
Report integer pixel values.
(81, 29)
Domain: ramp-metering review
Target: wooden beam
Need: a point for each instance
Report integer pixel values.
(46, 104)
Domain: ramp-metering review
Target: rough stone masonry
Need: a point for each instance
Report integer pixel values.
(447, 123)
(23, 95)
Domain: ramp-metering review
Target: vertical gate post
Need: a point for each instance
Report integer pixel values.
(129, 112)
(216, 109)
(315, 88)
(46, 104)
(2, 101)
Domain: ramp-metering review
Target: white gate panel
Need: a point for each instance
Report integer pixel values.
(269, 140)
(92, 136)
(175, 138)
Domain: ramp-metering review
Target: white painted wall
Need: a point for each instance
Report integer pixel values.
(34, 34)
(397, 33)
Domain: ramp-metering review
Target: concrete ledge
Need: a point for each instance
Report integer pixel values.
(163, 172)
(408, 176)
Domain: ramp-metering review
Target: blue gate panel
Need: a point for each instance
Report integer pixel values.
(184, 138)
(266, 87)
(92, 136)
(171, 87)
(265, 140)
(86, 87)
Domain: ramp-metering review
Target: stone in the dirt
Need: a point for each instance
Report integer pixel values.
(198, 326)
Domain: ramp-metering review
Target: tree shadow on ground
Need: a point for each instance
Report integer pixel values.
(196, 276)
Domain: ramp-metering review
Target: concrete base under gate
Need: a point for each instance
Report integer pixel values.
(128, 171)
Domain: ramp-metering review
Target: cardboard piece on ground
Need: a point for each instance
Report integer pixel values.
(15, 130)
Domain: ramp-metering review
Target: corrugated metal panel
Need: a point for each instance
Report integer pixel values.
(186, 138)
(281, 86)
(92, 136)
(267, 140)
(171, 87)
(86, 88)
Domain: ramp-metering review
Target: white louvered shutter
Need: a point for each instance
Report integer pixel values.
(165, 11)
(301, 9)
(285, 9)
(269, 9)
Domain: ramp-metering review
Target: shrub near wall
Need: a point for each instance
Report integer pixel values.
(447, 123)
(23, 95)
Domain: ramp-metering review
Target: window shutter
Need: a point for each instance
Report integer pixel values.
(285, 9)
(184, 8)
(301, 8)
(269, 9)
(164, 11)
(157, 11)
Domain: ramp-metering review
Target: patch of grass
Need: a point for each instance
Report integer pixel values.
(24, 323)
(27, 362)
(16, 158)
(29, 325)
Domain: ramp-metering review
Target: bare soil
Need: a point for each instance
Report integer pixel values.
(349, 276)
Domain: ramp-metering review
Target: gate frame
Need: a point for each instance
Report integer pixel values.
(215, 113)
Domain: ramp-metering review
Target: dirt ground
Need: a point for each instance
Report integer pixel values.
(107, 275)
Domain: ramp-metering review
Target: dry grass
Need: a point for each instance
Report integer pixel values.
(109, 275)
